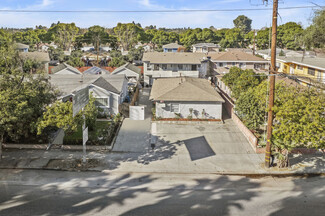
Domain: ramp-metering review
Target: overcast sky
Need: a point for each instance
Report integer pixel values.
(198, 19)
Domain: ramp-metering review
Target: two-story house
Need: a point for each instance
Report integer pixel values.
(225, 60)
(306, 69)
(157, 64)
(205, 47)
(173, 47)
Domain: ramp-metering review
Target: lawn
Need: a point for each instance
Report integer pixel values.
(95, 137)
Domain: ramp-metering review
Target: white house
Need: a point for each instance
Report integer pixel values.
(109, 91)
(131, 72)
(205, 47)
(158, 64)
(186, 97)
(64, 68)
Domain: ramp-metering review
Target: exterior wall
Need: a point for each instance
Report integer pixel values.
(205, 50)
(113, 99)
(170, 49)
(168, 72)
(213, 110)
(242, 65)
(128, 73)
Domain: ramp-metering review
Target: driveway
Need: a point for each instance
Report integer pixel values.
(134, 135)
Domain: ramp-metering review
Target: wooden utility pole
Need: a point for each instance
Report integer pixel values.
(272, 84)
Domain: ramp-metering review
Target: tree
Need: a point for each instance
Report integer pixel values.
(60, 115)
(135, 54)
(23, 98)
(128, 34)
(234, 38)
(263, 38)
(9, 58)
(314, 35)
(243, 23)
(288, 35)
(63, 34)
(75, 59)
(96, 35)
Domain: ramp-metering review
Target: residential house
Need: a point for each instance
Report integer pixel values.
(173, 47)
(132, 72)
(64, 68)
(158, 64)
(205, 47)
(96, 70)
(109, 91)
(307, 70)
(186, 97)
(41, 57)
(266, 53)
(147, 47)
(225, 60)
(22, 47)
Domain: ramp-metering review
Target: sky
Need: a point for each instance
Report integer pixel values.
(169, 20)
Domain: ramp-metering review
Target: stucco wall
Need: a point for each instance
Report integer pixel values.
(213, 110)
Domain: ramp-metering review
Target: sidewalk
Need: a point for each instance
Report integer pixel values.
(153, 162)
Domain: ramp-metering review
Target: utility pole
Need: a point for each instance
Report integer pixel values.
(272, 84)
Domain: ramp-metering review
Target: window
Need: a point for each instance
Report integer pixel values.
(220, 64)
(156, 67)
(194, 67)
(101, 102)
(148, 66)
(242, 65)
(299, 67)
(164, 66)
(233, 63)
(174, 108)
(180, 67)
(311, 71)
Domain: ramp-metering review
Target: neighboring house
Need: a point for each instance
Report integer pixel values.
(96, 70)
(147, 47)
(186, 97)
(131, 72)
(22, 47)
(173, 47)
(64, 68)
(87, 48)
(43, 47)
(109, 91)
(41, 57)
(307, 69)
(287, 53)
(205, 47)
(158, 64)
(225, 60)
(105, 48)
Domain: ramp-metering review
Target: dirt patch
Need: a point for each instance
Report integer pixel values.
(72, 165)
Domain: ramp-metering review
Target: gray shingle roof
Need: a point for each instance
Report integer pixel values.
(96, 70)
(172, 46)
(183, 89)
(128, 66)
(63, 66)
(233, 56)
(206, 45)
(21, 46)
(102, 83)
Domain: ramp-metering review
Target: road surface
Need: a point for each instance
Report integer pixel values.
(29, 192)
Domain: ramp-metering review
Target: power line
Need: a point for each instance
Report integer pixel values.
(154, 11)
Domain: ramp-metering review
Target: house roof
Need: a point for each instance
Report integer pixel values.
(37, 56)
(128, 66)
(68, 83)
(173, 58)
(22, 46)
(63, 66)
(171, 46)
(206, 45)
(96, 70)
(183, 89)
(316, 62)
(234, 56)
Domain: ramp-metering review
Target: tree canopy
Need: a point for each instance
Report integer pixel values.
(243, 23)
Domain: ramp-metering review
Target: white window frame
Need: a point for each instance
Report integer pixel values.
(171, 107)
(107, 99)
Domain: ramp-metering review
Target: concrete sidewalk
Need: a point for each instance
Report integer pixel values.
(158, 161)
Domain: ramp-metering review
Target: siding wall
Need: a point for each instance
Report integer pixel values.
(213, 110)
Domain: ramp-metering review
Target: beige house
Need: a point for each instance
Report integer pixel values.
(163, 65)
(225, 60)
(186, 97)
(205, 47)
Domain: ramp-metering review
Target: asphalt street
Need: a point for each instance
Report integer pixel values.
(30, 192)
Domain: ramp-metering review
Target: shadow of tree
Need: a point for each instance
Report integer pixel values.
(99, 196)
(308, 163)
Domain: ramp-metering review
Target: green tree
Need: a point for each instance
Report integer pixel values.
(135, 54)
(96, 35)
(289, 35)
(128, 34)
(60, 115)
(230, 78)
(64, 34)
(314, 35)
(234, 38)
(23, 98)
(243, 23)
(263, 38)
(9, 58)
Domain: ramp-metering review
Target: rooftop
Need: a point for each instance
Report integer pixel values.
(171, 46)
(316, 62)
(183, 89)
(37, 56)
(234, 56)
(63, 66)
(206, 45)
(128, 66)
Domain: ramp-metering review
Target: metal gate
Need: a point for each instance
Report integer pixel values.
(137, 112)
